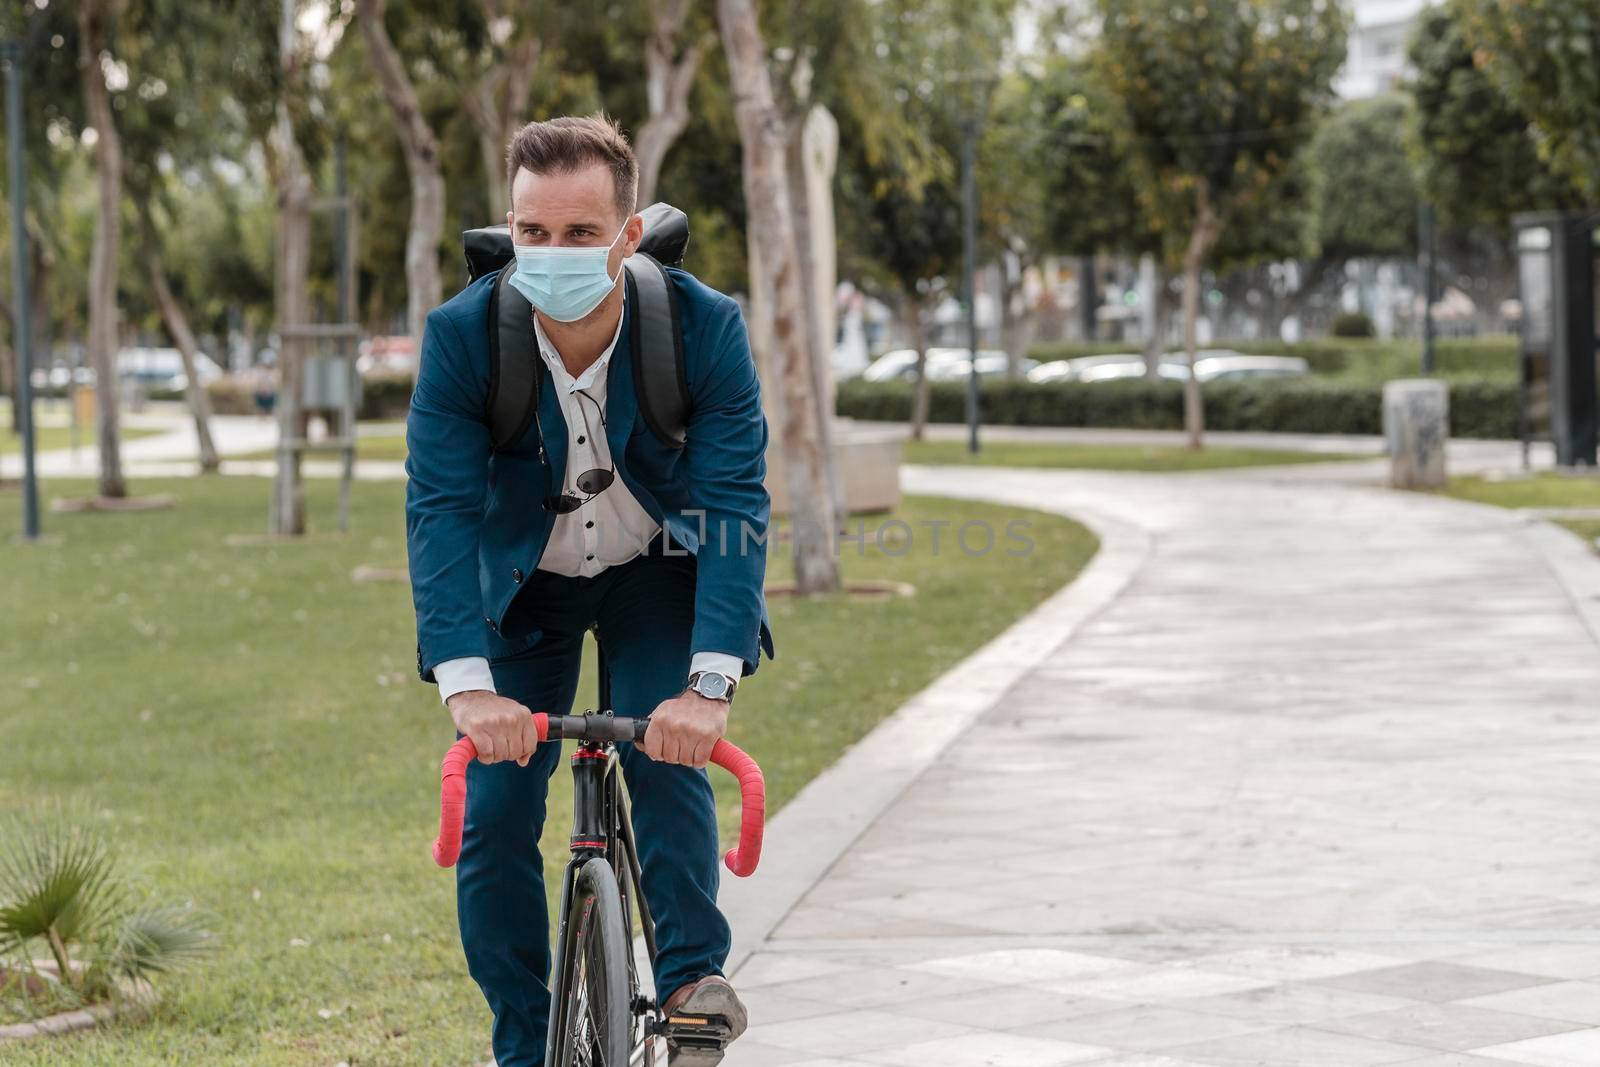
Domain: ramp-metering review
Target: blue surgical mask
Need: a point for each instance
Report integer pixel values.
(564, 282)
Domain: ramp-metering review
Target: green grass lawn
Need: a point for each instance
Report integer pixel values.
(1544, 490)
(247, 722)
(370, 447)
(1107, 457)
(1588, 529)
(50, 437)
(1011, 454)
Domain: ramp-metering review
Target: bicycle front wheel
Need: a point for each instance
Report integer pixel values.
(595, 1014)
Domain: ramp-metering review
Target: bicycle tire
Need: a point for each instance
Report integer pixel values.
(597, 1015)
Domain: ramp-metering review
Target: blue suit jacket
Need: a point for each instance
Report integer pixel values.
(475, 529)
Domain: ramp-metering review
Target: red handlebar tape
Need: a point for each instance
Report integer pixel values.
(741, 860)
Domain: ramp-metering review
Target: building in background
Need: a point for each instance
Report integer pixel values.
(1376, 60)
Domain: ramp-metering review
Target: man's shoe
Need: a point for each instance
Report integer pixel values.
(702, 1018)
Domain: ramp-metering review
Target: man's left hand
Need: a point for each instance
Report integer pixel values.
(684, 729)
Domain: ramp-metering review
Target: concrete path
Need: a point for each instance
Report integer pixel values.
(1318, 786)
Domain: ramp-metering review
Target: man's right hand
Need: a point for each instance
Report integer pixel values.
(499, 727)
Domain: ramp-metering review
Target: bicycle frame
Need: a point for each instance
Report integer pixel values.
(601, 827)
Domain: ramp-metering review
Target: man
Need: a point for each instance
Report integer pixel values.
(588, 519)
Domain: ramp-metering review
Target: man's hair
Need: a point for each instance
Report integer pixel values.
(569, 143)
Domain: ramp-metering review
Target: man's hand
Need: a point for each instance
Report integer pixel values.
(684, 729)
(501, 728)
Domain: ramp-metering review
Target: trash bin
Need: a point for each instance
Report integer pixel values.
(84, 405)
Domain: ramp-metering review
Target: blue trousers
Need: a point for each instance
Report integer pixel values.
(644, 610)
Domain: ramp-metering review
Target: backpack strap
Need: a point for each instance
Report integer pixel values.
(513, 368)
(657, 343)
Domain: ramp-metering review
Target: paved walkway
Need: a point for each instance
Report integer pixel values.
(1317, 787)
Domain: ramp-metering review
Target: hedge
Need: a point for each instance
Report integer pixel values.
(383, 396)
(1478, 408)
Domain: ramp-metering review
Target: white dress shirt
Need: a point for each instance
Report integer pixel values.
(606, 531)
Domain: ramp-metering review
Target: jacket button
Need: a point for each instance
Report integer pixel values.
(490, 623)
(516, 575)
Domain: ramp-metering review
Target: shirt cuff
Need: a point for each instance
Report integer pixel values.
(717, 663)
(459, 675)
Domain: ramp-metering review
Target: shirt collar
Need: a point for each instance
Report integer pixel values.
(596, 370)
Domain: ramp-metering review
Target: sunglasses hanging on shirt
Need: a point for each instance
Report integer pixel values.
(591, 483)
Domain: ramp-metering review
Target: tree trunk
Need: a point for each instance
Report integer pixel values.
(1155, 335)
(421, 147)
(919, 340)
(1088, 299)
(495, 105)
(292, 263)
(771, 222)
(177, 324)
(1194, 256)
(8, 364)
(1016, 317)
(669, 72)
(818, 258)
(102, 334)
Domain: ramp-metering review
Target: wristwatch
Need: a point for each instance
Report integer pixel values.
(713, 685)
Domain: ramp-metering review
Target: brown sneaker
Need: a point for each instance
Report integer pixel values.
(703, 1019)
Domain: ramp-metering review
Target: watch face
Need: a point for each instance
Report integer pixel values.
(712, 686)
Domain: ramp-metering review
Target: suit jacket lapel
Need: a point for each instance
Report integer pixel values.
(555, 427)
(622, 403)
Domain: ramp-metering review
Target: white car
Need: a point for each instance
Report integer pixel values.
(1215, 364)
(162, 368)
(990, 365)
(901, 364)
(1221, 365)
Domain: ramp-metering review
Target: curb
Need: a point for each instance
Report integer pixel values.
(1574, 566)
(815, 828)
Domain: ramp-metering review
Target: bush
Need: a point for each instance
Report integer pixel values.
(385, 396)
(1352, 324)
(1482, 408)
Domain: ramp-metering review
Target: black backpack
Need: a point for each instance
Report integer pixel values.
(656, 338)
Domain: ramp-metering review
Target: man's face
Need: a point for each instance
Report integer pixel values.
(572, 209)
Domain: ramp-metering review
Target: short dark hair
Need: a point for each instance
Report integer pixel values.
(569, 143)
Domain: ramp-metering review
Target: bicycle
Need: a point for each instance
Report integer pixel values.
(599, 1015)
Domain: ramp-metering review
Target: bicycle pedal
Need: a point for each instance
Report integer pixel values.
(696, 1040)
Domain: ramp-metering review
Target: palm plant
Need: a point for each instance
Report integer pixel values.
(59, 886)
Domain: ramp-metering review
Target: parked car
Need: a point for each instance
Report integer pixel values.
(901, 364)
(1213, 364)
(944, 365)
(1217, 365)
(162, 368)
(58, 375)
(990, 365)
(1090, 368)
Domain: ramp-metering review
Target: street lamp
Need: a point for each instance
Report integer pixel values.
(11, 53)
(981, 82)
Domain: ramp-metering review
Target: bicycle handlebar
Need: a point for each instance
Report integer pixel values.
(741, 860)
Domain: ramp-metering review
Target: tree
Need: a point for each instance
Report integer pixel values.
(766, 191)
(1088, 201)
(421, 146)
(291, 266)
(1475, 149)
(1213, 101)
(1544, 55)
(174, 125)
(94, 17)
(496, 101)
(672, 54)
